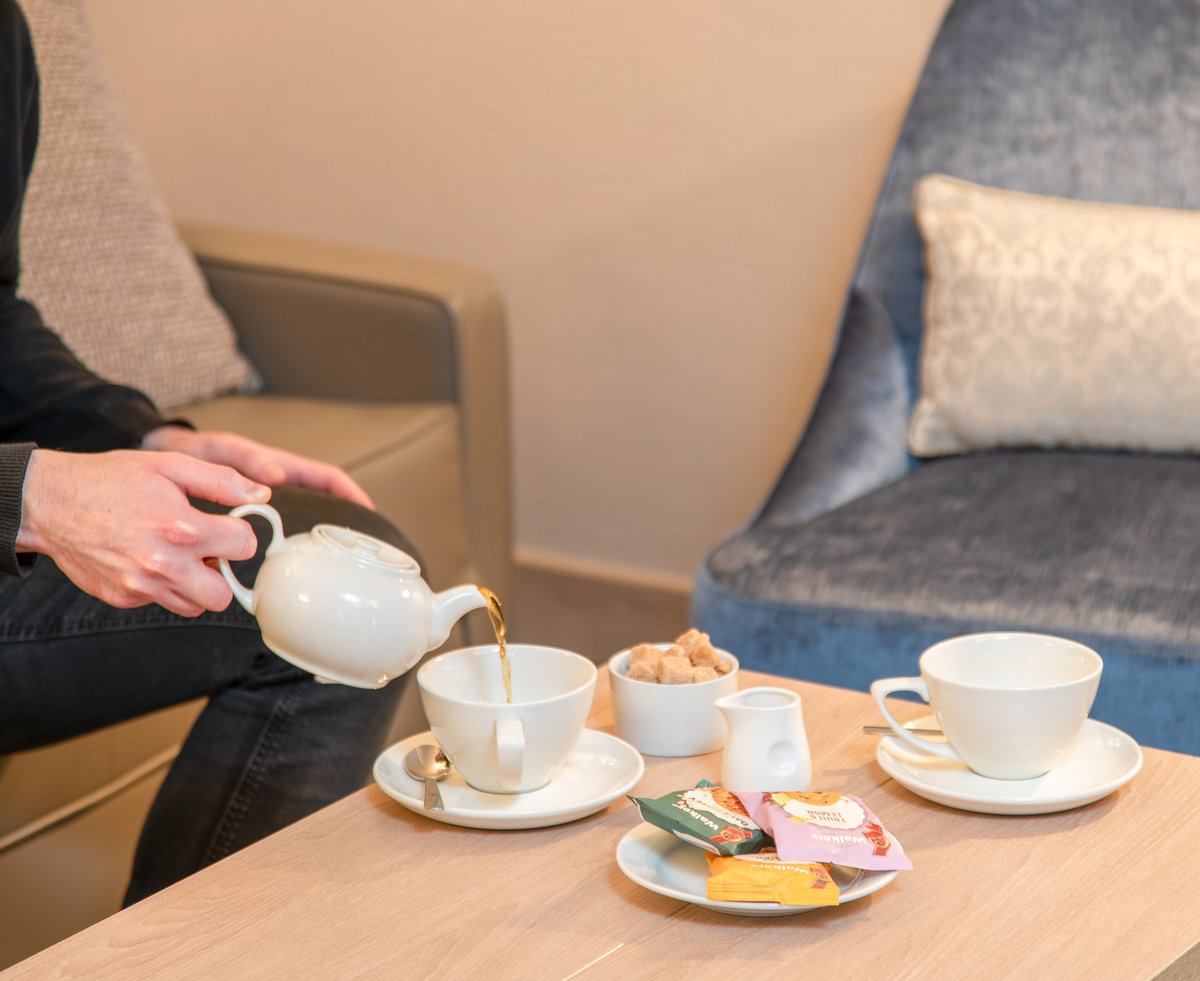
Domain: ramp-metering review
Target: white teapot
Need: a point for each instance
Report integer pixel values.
(345, 606)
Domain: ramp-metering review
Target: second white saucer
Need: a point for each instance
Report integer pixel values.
(1103, 759)
(600, 769)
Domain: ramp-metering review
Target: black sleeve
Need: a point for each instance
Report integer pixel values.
(14, 458)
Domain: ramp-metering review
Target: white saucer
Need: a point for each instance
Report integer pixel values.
(660, 862)
(600, 769)
(1102, 759)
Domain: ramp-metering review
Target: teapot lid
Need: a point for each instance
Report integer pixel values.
(366, 550)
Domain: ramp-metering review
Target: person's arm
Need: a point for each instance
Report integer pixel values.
(46, 395)
(18, 136)
(119, 524)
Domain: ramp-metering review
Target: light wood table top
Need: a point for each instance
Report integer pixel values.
(366, 888)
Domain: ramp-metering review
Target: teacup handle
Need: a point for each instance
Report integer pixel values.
(510, 751)
(886, 686)
(240, 592)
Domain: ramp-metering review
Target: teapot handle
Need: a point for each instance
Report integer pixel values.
(240, 592)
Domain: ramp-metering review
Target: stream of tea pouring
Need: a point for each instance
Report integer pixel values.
(496, 615)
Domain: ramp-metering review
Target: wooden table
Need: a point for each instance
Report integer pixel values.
(365, 888)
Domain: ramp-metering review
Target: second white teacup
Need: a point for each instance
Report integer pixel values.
(503, 748)
(1011, 704)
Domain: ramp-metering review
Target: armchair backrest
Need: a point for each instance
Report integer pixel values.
(1089, 99)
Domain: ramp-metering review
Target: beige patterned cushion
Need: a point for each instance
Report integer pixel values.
(1051, 322)
(100, 256)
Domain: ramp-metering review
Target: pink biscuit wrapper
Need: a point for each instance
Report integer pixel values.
(825, 827)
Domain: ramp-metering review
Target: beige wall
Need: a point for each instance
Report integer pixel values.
(670, 193)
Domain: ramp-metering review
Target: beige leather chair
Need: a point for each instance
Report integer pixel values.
(393, 367)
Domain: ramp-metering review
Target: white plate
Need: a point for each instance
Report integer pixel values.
(660, 862)
(1102, 759)
(599, 770)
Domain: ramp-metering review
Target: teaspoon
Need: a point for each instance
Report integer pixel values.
(428, 763)
(887, 731)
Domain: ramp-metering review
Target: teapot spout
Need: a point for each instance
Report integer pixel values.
(449, 607)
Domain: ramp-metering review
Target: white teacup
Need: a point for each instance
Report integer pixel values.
(1010, 704)
(503, 748)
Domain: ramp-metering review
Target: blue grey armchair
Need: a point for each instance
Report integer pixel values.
(862, 555)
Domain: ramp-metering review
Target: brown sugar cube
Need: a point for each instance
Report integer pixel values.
(704, 655)
(699, 649)
(722, 666)
(643, 663)
(674, 669)
(643, 671)
(646, 654)
(704, 673)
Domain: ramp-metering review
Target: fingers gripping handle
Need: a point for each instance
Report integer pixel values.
(884, 687)
(243, 595)
(510, 751)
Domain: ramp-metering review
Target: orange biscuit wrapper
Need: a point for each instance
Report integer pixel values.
(763, 877)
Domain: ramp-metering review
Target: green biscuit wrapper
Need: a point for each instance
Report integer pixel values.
(707, 816)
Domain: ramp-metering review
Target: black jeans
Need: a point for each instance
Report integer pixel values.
(270, 747)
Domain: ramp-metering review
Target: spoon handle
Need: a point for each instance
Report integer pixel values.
(433, 796)
(887, 731)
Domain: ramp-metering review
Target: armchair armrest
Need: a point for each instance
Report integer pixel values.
(340, 322)
(302, 307)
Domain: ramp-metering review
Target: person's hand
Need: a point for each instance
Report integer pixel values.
(266, 464)
(120, 525)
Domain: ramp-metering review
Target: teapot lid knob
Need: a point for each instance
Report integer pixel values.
(366, 550)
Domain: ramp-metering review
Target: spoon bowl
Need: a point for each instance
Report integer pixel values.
(429, 764)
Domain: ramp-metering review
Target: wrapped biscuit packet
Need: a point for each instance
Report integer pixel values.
(708, 816)
(816, 826)
(765, 878)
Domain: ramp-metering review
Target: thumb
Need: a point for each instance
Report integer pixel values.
(213, 481)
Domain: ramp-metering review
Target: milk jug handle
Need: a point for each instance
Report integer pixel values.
(243, 595)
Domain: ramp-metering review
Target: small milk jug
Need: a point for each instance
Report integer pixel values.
(767, 748)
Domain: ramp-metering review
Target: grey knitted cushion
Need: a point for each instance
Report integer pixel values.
(100, 256)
